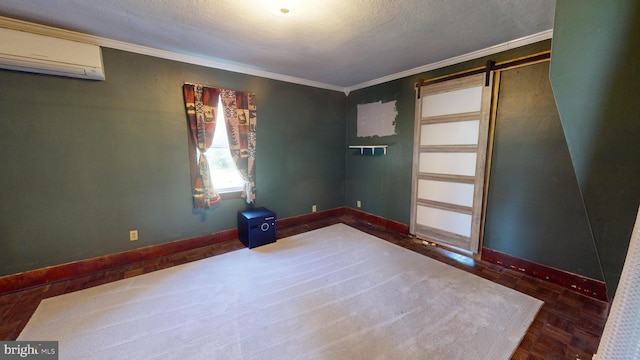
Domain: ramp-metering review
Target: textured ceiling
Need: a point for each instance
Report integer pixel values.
(337, 42)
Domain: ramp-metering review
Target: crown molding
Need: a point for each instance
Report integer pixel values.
(544, 35)
(144, 50)
(222, 65)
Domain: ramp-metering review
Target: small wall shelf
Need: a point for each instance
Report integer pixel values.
(371, 147)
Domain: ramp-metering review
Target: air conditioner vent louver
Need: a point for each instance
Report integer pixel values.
(34, 53)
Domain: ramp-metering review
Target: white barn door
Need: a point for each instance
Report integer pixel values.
(451, 130)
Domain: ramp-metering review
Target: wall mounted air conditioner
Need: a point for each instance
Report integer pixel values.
(34, 53)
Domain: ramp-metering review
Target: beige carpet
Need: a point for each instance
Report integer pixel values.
(332, 293)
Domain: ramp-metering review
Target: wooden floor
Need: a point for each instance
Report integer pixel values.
(568, 326)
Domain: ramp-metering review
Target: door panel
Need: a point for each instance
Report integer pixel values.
(450, 133)
(453, 102)
(452, 122)
(446, 192)
(448, 163)
(446, 220)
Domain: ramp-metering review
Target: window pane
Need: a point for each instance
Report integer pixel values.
(223, 170)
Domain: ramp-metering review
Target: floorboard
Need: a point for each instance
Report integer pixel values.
(568, 326)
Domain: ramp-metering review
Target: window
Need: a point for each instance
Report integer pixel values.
(224, 175)
(202, 103)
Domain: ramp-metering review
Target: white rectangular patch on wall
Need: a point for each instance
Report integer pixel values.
(377, 119)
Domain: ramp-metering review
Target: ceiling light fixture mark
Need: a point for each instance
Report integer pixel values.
(283, 7)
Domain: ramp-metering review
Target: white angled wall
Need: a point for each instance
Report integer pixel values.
(621, 337)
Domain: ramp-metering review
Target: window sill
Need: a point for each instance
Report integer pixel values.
(230, 194)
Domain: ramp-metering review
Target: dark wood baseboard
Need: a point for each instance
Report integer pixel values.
(74, 269)
(592, 288)
(589, 287)
(307, 218)
(27, 279)
(338, 212)
(378, 220)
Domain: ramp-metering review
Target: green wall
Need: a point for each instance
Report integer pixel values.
(84, 162)
(525, 217)
(534, 207)
(383, 183)
(596, 82)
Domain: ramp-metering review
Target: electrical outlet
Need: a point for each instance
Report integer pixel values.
(314, 208)
(358, 204)
(133, 235)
